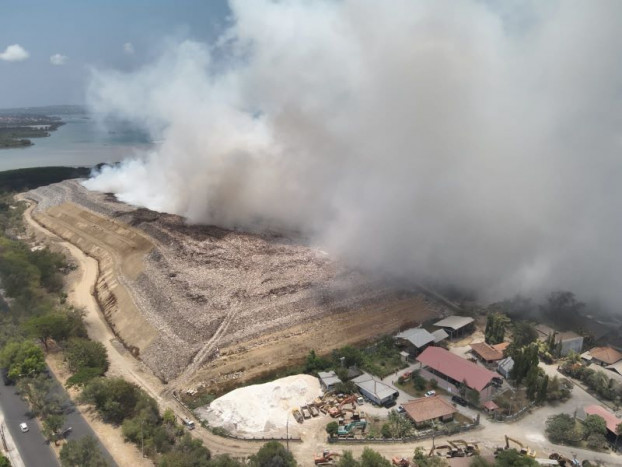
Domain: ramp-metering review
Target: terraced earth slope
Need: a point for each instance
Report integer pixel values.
(201, 304)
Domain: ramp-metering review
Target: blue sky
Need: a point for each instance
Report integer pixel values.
(91, 34)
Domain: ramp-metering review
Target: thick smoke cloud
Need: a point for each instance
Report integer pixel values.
(462, 142)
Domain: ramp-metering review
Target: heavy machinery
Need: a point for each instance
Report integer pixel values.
(305, 411)
(325, 457)
(313, 410)
(297, 415)
(524, 450)
(436, 449)
(401, 461)
(564, 461)
(348, 400)
(469, 449)
(345, 430)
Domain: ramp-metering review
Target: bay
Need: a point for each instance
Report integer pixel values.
(80, 142)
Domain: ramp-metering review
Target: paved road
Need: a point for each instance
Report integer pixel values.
(32, 445)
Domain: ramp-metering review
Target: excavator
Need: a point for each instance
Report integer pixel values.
(337, 411)
(524, 450)
(469, 449)
(325, 458)
(345, 430)
(447, 454)
(400, 461)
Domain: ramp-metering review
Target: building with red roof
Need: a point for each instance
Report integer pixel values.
(610, 419)
(454, 373)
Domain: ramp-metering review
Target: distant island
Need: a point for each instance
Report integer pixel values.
(19, 125)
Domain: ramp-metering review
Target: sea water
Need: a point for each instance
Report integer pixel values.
(80, 142)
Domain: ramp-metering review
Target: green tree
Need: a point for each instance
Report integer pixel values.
(423, 460)
(347, 460)
(496, 324)
(478, 461)
(186, 452)
(223, 460)
(512, 458)
(524, 358)
(596, 441)
(53, 325)
(371, 458)
(562, 429)
(523, 333)
(22, 358)
(594, 424)
(4, 462)
(273, 454)
(332, 429)
(314, 363)
(114, 398)
(83, 452)
(84, 353)
(52, 426)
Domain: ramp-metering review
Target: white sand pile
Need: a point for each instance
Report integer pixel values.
(261, 409)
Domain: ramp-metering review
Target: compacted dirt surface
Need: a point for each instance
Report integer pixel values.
(205, 306)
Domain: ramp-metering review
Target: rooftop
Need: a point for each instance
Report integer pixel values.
(418, 337)
(486, 352)
(428, 408)
(374, 386)
(545, 331)
(329, 378)
(457, 368)
(606, 354)
(439, 335)
(611, 420)
(454, 322)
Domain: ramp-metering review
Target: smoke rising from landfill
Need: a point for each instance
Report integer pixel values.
(456, 142)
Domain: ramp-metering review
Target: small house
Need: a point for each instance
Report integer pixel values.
(426, 410)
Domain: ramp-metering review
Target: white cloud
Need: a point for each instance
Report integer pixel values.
(58, 59)
(14, 53)
(128, 48)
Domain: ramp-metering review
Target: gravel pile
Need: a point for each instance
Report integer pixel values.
(262, 409)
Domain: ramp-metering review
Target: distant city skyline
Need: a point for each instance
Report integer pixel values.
(48, 48)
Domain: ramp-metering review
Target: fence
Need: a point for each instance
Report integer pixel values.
(409, 439)
(495, 417)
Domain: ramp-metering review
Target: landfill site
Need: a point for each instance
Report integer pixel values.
(207, 308)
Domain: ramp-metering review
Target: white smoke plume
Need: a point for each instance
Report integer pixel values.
(464, 142)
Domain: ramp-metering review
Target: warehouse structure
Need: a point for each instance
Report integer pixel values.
(375, 390)
(414, 340)
(456, 326)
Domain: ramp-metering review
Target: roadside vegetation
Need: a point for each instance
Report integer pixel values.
(381, 359)
(589, 433)
(595, 379)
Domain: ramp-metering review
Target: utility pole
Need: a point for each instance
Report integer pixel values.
(142, 440)
(287, 431)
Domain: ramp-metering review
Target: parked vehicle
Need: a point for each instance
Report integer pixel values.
(459, 400)
(430, 393)
(188, 423)
(23, 427)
